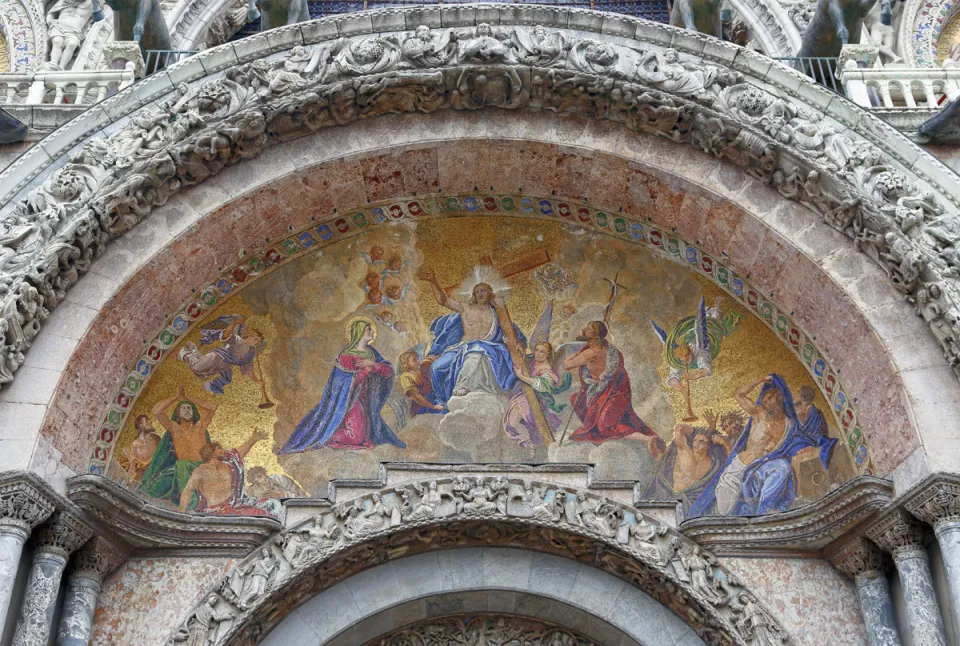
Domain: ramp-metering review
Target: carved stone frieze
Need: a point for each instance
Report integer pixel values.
(801, 531)
(52, 235)
(897, 532)
(62, 534)
(150, 530)
(478, 510)
(860, 558)
(483, 629)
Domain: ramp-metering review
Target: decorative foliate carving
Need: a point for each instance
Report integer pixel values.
(23, 505)
(62, 534)
(483, 629)
(97, 558)
(898, 532)
(859, 558)
(478, 510)
(939, 503)
(53, 234)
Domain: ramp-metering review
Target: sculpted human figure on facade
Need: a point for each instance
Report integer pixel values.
(427, 48)
(67, 21)
(539, 46)
(206, 626)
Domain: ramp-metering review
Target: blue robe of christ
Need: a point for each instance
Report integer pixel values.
(451, 352)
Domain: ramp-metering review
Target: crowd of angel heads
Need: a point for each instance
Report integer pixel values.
(576, 391)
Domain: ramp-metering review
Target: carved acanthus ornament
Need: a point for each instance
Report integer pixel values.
(938, 504)
(23, 506)
(898, 533)
(483, 629)
(97, 558)
(860, 558)
(51, 236)
(62, 534)
(478, 510)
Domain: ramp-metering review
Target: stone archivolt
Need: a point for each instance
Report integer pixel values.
(53, 234)
(477, 510)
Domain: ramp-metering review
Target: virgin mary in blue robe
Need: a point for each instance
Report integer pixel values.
(768, 484)
(348, 415)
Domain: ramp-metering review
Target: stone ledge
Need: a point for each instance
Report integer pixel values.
(800, 532)
(152, 531)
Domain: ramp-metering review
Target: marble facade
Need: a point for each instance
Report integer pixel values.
(839, 231)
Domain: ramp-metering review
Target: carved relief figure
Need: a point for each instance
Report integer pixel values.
(66, 22)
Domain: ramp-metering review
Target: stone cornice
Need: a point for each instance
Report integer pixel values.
(151, 530)
(476, 510)
(896, 531)
(896, 203)
(802, 531)
(25, 501)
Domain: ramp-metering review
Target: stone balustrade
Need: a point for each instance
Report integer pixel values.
(905, 97)
(63, 88)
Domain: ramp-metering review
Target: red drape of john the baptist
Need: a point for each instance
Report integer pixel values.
(605, 403)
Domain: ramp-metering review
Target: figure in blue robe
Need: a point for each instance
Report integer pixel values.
(768, 483)
(451, 352)
(348, 415)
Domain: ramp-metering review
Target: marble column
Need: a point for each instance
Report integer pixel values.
(866, 565)
(23, 506)
(904, 537)
(55, 540)
(939, 505)
(90, 564)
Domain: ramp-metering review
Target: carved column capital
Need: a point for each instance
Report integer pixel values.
(937, 504)
(62, 534)
(898, 533)
(96, 559)
(860, 559)
(23, 505)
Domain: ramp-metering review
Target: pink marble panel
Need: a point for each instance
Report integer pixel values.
(810, 598)
(144, 601)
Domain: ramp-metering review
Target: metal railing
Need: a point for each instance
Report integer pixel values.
(821, 70)
(157, 59)
(656, 10)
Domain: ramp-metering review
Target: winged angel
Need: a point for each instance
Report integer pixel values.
(691, 346)
(548, 379)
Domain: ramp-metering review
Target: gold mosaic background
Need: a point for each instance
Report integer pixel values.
(302, 307)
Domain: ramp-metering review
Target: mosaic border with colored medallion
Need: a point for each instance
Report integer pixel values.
(340, 227)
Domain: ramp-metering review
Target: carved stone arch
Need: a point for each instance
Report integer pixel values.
(382, 526)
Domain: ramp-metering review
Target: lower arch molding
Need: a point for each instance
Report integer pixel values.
(477, 511)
